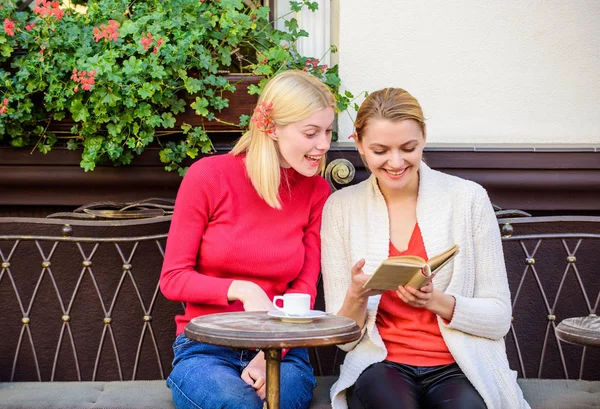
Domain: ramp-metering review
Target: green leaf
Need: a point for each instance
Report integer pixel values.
(244, 120)
(253, 89)
(193, 85)
(200, 106)
(111, 98)
(113, 129)
(44, 148)
(312, 5)
(178, 106)
(132, 66)
(165, 155)
(143, 110)
(158, 72)
(71, 144)
(6, 50)
(146, 91)
(295, 6)
(262, 13)
(220, 103)
(154, 121)
(168, 121)
(128, 27)
(88, 164)
(291, 24)
(79, 112)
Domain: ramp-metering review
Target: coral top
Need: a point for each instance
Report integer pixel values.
(411, 335)
(222, 231)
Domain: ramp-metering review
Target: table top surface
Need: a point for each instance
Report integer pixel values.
(580, 330)
(259, 330)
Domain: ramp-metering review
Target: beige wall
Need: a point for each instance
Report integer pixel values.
(484, 71)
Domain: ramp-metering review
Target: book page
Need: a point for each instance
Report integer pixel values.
(439, 260)
(406, 260)
(391, 275)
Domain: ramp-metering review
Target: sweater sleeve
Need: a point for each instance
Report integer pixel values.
(335, 261)
(197, 198)
(488, 313)
(306, 282)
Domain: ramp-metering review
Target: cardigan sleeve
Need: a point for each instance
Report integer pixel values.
(488, 313)
(306, 282)
(335, 260)
(197, 198)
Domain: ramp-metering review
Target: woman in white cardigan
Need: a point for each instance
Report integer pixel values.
(440, 346)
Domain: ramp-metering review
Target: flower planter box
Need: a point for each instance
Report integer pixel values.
(240, 103)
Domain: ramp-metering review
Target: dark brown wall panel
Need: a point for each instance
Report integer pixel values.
(556, 181)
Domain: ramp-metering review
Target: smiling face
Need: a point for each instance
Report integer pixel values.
(302, 145)
(393, 150)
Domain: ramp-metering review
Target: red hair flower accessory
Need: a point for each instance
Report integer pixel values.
(262, 117)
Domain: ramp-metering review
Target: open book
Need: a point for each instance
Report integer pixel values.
(410, 271)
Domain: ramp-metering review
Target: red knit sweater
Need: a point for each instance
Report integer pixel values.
(222, 231)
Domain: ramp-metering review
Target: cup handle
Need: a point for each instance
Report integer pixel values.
(277, 298)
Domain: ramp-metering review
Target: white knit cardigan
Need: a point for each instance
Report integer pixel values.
(449, 210)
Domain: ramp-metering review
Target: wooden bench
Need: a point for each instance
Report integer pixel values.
(84, 324)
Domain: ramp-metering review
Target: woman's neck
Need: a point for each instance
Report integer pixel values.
(408, 194)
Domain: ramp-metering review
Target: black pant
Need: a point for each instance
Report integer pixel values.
(388, 385)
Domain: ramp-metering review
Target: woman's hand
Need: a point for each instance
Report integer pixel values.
(420, 298)
(359, 278)
(250, 294)
(435, 301)
(357, 297)
(255, 375)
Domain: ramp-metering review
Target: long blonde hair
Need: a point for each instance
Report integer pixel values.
(295, 95)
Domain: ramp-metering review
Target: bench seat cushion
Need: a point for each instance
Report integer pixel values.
(540, 393)
(83, 395)
(561, 393)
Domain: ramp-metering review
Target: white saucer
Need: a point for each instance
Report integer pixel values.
(293, 319)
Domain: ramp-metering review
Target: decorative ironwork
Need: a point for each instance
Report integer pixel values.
(547, 283)
(95, 277)
(341, 171)
(143, 209)
(80, 292)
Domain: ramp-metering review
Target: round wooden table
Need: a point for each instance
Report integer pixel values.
(257, 330)
(580, 330)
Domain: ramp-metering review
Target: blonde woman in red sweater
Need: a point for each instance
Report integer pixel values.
(246, 228)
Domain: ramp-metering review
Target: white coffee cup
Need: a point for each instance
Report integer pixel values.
(295, 304)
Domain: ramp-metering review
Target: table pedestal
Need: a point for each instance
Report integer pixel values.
(273, 357)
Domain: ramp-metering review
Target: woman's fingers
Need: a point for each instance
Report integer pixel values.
(259, 382)
(357, 268)
(415, 297)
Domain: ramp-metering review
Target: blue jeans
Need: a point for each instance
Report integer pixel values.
(209, 377)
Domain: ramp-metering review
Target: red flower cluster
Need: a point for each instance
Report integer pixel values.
(45, 8)
(147, 42)
(262, 117)
(4, 106)
(29, 27)
(310, 63)
(85, 78)
(8, 27)
(110, 32)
